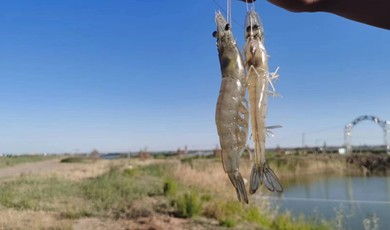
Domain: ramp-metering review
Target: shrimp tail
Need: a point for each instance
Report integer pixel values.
(263, 174)
(238, 182)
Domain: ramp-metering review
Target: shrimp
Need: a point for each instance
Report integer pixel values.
(256, 61)
(231, 115)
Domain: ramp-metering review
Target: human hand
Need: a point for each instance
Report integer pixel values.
(297, 5)
(248, 1)
(300, 5)
(375, 13)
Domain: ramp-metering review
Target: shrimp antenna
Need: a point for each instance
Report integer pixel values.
(226, 13)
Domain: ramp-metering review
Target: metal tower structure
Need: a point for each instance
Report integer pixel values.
(385, 125)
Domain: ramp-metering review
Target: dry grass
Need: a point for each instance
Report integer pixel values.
(15, 160)
(32, 220)
(102, 195)
(211, 175)
(287, 167)
(81, 171)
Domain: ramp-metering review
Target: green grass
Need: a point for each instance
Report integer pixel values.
(188, 205)
(287, 222)
(206, 197)
(160, 156)
(31, 193)
(114, 188)
(170, 187)
(14, 160)
(117, 192)
(70, 214)
(131, 172)
(76, 199)
(229, 223)
(159, 170)
(187, 160)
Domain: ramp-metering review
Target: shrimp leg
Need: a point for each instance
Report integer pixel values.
(275, 75)
(248, 75)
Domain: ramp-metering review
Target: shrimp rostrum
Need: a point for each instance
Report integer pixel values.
(231, 115)
(258, 78)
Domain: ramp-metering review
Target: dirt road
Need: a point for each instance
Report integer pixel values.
(69, 170)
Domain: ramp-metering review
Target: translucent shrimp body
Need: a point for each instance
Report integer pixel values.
(231, 115)
(256, 61)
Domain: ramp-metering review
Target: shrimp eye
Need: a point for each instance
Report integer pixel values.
(227, 27)
(248, 29)
(256, 27)
(215, 34)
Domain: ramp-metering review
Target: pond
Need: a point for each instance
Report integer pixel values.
(358, 197)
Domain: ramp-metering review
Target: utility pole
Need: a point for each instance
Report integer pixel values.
(128, 157)
(303, 140)
(317, 149)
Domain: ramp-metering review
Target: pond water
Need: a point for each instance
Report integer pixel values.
(359, 198)
(110, 156)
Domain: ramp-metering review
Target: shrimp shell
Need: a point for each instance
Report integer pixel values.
(256, 59)
(231, 115)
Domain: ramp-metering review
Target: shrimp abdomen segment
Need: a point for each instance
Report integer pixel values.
(242, 123)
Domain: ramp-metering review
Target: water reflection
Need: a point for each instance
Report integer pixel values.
(360, 198)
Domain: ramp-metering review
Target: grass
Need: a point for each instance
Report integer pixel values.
(77, 214)
(170, 187)
(287, 222)
(188, 205)
(159, 170)
(76, 199)
(160, 156)
(115, 188)
(14, 160)
(186, 160)
(31, 193)
(166, 188)
(229, 223)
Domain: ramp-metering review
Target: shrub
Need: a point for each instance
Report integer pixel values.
(205, 198)
(130, 172)
(160, 156)
(170, 187)
(188, 205)
(228, 222)
(74, 160)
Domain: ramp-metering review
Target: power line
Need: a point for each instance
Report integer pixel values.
(326, 129)
(312, 132)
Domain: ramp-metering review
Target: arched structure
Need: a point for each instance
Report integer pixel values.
(385, 125)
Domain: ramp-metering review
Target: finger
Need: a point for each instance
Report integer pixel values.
(248, 1)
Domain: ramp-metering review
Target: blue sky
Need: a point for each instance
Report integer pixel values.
(123, 75)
